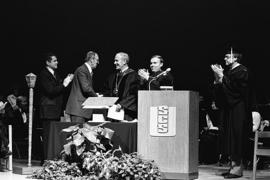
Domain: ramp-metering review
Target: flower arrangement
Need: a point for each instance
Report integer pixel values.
(89, 156)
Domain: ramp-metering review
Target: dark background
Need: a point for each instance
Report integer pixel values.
(189, 34)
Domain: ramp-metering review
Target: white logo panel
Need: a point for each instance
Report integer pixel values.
(162, 121)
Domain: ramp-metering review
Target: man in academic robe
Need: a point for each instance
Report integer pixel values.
(124, 83)
(234, 97)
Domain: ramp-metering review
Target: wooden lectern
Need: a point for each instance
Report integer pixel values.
(168, 131)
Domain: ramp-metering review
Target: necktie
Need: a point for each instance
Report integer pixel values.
(54, 75)
(117, 82)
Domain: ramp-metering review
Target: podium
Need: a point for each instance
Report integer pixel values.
(168, 131)
(99, 104)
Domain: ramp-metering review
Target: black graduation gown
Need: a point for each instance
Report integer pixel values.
(127, 85)
(234, 98)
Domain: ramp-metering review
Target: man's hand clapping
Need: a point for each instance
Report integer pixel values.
(144, 74)
(2, 107)
(218, 72)
(68, 79)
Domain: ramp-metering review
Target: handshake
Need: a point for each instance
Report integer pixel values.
(68, 79)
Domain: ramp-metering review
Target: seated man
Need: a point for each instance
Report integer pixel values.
(157, 77)
(16, 114)
(4, 151)
(209, 134)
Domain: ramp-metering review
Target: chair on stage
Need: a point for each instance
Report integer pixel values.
(259, 148)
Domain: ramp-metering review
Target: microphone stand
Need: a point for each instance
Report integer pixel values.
(151, 82)
(154, 78)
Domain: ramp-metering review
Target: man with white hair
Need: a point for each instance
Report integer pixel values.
(124, 83)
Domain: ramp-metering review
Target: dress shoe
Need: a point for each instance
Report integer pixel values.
(231, 176)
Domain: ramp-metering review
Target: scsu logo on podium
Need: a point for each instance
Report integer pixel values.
(162, 121)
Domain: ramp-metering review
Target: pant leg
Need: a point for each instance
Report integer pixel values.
(45, 135)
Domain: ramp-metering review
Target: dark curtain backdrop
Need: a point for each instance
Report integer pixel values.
(189, 34)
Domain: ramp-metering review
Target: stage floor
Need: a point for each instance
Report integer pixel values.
(213, 172)
(206, 172)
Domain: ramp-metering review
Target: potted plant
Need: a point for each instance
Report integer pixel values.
(89, 155)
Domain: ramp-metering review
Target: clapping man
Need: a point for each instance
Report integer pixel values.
(157, 77)
(52, 89)
(51, 93)
(234, 98)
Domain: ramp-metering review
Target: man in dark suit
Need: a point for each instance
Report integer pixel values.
(124, 83)
(51, 90)
(51, 93)
(82, 88)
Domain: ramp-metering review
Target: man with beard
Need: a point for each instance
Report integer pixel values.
(124, 83)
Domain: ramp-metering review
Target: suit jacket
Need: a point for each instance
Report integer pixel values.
(127, 91)
(82, 88)
(51, 95)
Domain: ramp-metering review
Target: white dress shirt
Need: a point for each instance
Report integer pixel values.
(89, 68)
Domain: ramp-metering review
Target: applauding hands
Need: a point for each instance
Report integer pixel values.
(144, 74)
(68, 79)
(218, 72)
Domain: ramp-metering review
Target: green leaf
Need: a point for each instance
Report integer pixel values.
(89, 127)
(107, 133)
(67, 148)
(71, 128)
(90, 135)
(78, 139)
(100, 146)
(80, 150)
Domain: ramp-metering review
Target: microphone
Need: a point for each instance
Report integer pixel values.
(163, 73)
